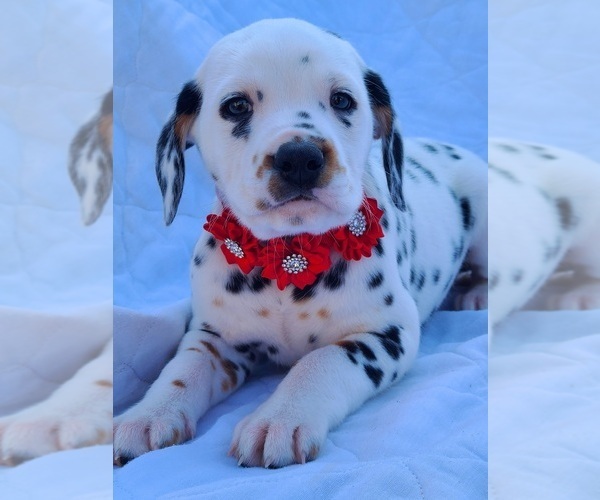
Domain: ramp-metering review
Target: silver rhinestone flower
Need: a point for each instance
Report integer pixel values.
(358, 224)
(234, 248)
(294, 264)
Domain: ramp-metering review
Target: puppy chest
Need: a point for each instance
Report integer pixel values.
(245, 309)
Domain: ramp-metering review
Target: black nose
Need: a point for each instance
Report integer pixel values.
(299, 163)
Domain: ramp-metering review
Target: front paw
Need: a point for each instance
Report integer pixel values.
(28, 435)
(278, 434)
(140, 430)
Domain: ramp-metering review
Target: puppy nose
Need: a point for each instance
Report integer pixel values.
(299, 163)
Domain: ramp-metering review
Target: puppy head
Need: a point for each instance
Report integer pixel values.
(284, 115)
(90, 163)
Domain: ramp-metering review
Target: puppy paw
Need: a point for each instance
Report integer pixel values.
(474, 299)
(579, 298)
(138, 431)
(30, 434)
(277, 435)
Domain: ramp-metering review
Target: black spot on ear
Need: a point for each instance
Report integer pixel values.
(388, 299)
(235, 282)
(189, 100)
(305, 59)
(467, 216)
(375, 280)
(259, 95)
(211, 242)
(565, 212)
(335, 277)
(198, 260)
(375, 374)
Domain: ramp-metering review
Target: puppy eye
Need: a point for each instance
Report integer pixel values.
(342, 101)
(236, 107)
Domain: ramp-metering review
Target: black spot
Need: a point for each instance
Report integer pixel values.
(436, 275)
(242, 129)
(393, 333)
(305, 59)
(404, 249)
(548, 156)
(322, 106)
(351, 358)
(304, 125)
(390, 341)
(304, 114)
(259, 95)
(251, 356)
(366, 351)
(565, 212)
(379, 248)
(517, 275)
(307, 292)
(272, 350)
(246, 371)
(235, 282)
(312, 338)
(467, 217)
(345, 121)
(211, 242)
(420, 281)
(198, 260)
(399, 257)
(334, 34)
(458, 250)
(413, 241)
(335, 277)
(394, 376)
(504, 173)
(413, 275)
(375, 374)
(388, 299)
(425, 171)
(430, 148)
(258, 283)
(384, 222)
(509, 148)
(242, 348)
(375, 280)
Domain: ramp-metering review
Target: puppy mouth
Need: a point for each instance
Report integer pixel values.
(300, 197)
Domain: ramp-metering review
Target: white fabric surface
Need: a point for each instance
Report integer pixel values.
(55, 274)
(544, 395)
(426, 437)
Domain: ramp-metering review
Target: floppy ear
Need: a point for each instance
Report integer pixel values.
(90, 161)
(173, 140)
(391, 141)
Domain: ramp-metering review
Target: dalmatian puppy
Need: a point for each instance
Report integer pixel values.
(79, 412)
(301, 141)
(545, 223)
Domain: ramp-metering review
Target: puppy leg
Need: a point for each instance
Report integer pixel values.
(320, 391)
(204, 371)
(77, 414)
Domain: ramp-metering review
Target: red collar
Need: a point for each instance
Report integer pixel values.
(299, 259)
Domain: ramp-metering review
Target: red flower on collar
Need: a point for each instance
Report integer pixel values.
(357, 238)
(239, 244)
(298, 261)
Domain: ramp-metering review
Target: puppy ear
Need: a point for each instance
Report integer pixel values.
(173, 140)
(391, 142)
(91, 163)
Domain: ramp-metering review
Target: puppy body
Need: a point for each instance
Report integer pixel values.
(355, 330)
(545, 218)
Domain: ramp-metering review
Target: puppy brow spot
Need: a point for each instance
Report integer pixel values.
(179, 383)
(259, 95)
(104, 383)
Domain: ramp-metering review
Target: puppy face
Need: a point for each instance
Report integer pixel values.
(283, 116)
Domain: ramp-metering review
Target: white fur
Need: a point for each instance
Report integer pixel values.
(324, 385)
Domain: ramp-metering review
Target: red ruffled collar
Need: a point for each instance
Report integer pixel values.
(300, 259)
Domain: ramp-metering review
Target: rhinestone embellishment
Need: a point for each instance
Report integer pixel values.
(294, 264)
(358, 224)
(234, 248)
